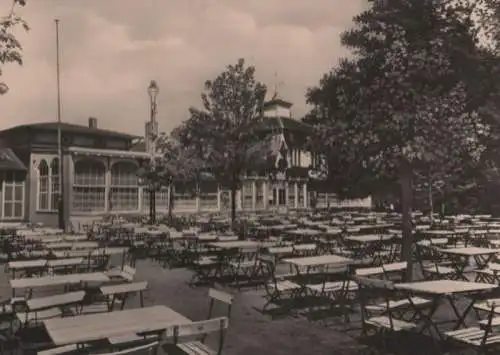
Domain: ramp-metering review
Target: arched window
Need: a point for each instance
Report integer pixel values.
(55, 187)
(124, 193)
(43, 186)
(89, 187)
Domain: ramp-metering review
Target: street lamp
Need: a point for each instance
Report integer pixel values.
(153, 91)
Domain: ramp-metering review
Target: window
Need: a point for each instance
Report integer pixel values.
(55, 187)
(161, 198)
(208, 195)
(43, 186)
(259, 202)
(291, 195)
(247, 195)
(13, 195)
(124, 192)
(300, 196)
(89, 187)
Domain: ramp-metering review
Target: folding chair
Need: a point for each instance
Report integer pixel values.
(279, 291)
(185, 337)
(376, 316)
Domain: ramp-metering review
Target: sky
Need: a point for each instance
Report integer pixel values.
(112, 49)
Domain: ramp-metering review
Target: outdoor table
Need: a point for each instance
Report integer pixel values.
(75, 238)
(482, 257)
(64, 262)
(447, 290)
(57, 280)
(25, 264)
(238, 244)
(92, 327)
(309, 262)
(369, 238)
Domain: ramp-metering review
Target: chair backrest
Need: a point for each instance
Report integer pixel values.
(57, 300)
(180, 333)
(221, 296)
(129, 270)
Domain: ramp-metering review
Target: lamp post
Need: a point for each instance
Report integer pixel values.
(153, 91)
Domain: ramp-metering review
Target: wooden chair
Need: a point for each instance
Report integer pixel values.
(378, 316)
(127, 273)
(279, 291)
(483, 338)
(185, 337)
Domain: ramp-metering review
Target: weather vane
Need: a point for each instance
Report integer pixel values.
(277, 85)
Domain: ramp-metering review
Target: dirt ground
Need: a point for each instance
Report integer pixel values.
(250, 332)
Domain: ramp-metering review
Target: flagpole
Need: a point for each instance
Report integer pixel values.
(62, 224)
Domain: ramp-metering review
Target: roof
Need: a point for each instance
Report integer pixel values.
(10, 162)
(285, 123)
(72, 128)
(108, 152)
(277, 102)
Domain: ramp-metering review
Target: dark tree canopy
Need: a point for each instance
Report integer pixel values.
(10, 47)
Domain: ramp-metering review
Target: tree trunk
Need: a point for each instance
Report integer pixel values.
(406, 202)
(431, 202)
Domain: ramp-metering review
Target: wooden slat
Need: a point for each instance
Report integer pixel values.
(124, 288)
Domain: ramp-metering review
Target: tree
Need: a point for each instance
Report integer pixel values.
(407, 101)
(175, 165)
(224, 131)
(10, 47)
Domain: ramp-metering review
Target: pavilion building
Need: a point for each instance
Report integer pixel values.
(99, 169)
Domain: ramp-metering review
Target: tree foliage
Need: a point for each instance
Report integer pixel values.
(408, 100)
(223, 132)
(10, 47)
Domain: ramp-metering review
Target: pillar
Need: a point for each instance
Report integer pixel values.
(197, 198)
(219, 204)
(107, 186)
(264, 193)
(254, 196)
(238, 199)
(304, 188)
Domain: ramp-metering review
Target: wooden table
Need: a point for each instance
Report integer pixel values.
(314, 261)
(239, 244)
(369, 238)
(25, 264)
(445, 290)
(482, 256)
(85, 328)
(72, 279)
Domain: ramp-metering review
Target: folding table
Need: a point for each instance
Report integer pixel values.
(448, 290)
(482, 256)
(92, 327)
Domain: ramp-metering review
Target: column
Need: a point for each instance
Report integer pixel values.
(304, 187)
(264, 193)
(296, 193)
(141, 194)
(254, 196)
(218, 199)
(107, 186)
(68, 171)
(238, 199)
(197, 198)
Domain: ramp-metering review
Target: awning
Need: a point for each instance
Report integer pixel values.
(10, 162)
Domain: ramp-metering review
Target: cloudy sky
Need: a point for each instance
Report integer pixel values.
(111, 49)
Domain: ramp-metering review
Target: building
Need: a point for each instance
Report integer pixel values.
(99, 169)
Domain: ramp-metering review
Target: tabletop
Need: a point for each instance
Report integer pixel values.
(26, 264)
(470, 251)
(442, 287)
(64, 262)
(369, 238)
(239, 244)
(32, 282)
(318, 260)
(57, 300)
(85, 328)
